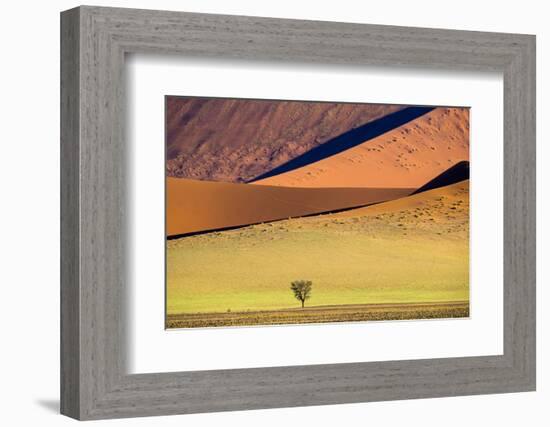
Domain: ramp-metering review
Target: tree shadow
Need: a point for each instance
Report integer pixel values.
(349, 139)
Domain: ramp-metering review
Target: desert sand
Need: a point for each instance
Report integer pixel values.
(449, 202)
(369, 202)
(407, 156)
(195, 206)
(235, 140)
(411, 250)
(456, 173)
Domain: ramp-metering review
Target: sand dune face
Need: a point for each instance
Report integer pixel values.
(456, 173)
(407, 156)
(451, 202)
(194, 206)
(236, 140)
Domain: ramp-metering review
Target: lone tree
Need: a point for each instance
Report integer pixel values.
(301, 290)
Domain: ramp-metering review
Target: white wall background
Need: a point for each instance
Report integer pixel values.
(29, 177)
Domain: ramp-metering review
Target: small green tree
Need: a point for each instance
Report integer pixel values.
(301, 290)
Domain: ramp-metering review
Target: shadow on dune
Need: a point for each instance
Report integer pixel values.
(349, 139)
(236, 227)
(458, 172)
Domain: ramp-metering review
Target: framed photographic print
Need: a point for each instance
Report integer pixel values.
(262, 213)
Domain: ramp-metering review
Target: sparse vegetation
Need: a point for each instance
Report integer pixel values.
(323, 314)
(301, 290)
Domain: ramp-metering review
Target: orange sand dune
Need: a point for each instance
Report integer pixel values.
(407, 156)
(236, 140)
(445, 196)
(194, 206)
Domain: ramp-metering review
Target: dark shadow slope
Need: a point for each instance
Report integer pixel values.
(456, 173)
(349, 139)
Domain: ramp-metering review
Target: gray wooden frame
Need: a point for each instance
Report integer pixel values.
(94, 382)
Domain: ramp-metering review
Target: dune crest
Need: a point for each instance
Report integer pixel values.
(407, 156)
(455, 195)
(193, 206)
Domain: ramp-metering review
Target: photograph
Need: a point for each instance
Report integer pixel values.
(291, 212)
